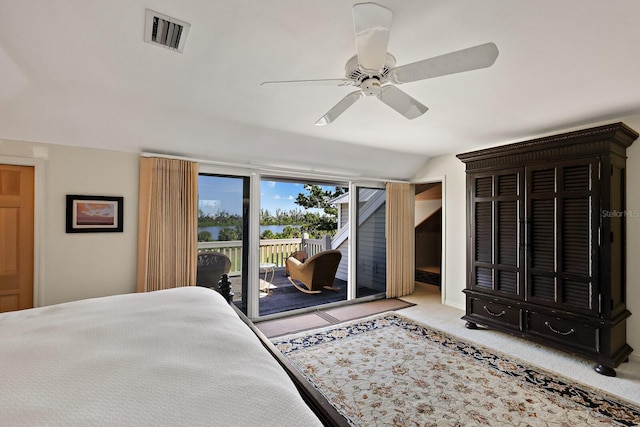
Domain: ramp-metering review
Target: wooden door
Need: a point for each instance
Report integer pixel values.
(563, 217)
(16, 237)
(496, 209)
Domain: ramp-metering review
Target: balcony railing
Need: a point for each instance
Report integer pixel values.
(273, 251)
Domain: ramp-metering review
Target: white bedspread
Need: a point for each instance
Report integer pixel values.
(180, 357)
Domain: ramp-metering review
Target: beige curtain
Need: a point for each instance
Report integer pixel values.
(400, 239)
(167, 224)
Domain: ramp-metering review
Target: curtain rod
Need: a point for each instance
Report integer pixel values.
(265, 169)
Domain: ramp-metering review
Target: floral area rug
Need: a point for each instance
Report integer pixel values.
(388, 370)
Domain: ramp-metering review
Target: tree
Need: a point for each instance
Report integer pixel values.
(204, 236)
(266, 218)
(267, 234)
(220, 218)
(319, 198)
(316, 198)
(230, 233)
(289, 232)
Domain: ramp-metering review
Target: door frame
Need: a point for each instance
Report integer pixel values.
(38, 165)
(443, 233)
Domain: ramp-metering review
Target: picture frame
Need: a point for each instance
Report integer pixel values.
(94, 214)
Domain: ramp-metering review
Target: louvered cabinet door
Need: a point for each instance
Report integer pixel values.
(496, 240)
(563, 235)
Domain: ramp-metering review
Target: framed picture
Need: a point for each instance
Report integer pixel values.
(94, 214)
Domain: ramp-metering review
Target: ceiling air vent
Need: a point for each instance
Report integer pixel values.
(165, 31)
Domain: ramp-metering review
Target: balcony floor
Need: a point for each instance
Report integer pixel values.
(285, 297)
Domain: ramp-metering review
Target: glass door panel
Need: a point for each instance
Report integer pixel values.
(300, 219)
(371, 252)
(223, 215)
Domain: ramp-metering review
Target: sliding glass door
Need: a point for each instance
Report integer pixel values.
(302, 219)
(370, 248)
(223, 225)
(259, 221)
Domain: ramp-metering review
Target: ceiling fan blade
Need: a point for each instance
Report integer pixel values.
(339, 108)
(472, 58)
(371, 23)
(401, 102)
(323, 82)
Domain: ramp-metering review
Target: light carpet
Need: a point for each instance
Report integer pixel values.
(389, 370)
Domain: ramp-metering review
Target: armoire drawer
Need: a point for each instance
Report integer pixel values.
(566, 332)
(495, 312)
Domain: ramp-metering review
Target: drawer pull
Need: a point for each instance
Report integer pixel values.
(492, 313)
(569, 332)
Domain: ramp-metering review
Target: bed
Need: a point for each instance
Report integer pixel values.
(165, 358)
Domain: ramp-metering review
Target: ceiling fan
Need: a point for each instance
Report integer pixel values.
(373, 70)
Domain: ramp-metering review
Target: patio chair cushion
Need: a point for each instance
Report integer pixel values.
(315, 273)
(299, 255)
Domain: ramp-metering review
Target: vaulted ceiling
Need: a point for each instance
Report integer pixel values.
(78, 72)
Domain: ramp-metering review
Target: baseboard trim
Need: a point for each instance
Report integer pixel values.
(459, 306)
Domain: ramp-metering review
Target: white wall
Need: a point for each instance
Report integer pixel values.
(454, 240)
(81, 265)
(424, 209)
(455, 232)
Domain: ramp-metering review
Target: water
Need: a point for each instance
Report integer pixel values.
(215, 229)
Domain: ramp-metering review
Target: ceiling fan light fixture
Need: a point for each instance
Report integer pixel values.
(370, 87)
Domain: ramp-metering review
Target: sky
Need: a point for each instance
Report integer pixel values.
(225, 194)
(279, 195)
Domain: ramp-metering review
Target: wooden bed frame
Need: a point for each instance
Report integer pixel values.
(327, 414)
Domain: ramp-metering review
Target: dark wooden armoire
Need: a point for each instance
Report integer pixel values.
(546, 241)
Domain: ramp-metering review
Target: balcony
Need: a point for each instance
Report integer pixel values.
(273, 251)
(283, 296)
